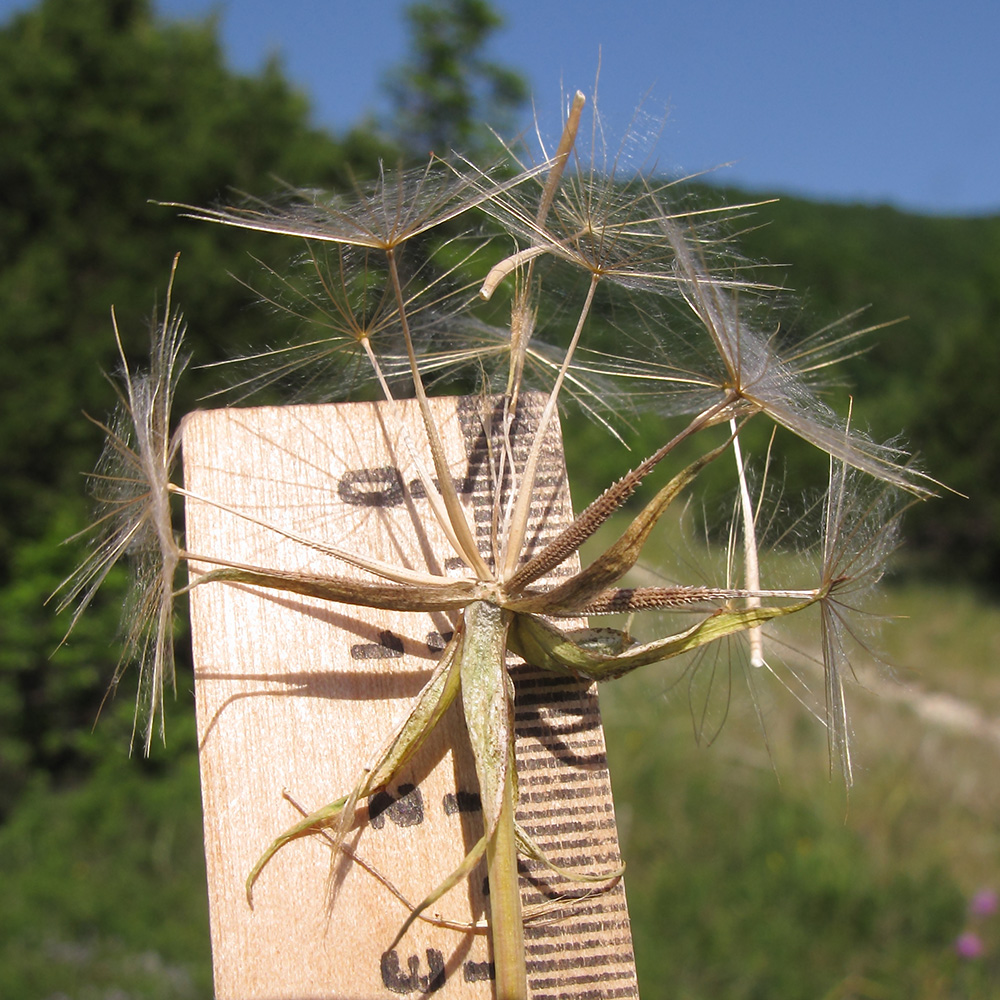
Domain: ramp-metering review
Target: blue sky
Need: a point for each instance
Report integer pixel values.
(891, 101)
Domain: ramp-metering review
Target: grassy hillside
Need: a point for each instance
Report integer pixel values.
(935, 282)
(751, 875)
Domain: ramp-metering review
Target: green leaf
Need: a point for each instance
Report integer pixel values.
(432, 702)
(488, 702)
(548, 648)
(449, 596)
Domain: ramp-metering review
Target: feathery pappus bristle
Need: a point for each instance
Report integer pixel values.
(132, 518)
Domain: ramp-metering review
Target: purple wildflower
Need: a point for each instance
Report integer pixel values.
(969, 945)
(984, 903)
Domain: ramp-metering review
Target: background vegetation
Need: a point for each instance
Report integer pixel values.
(740, 886)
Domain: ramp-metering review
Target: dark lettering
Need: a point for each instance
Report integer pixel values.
(462, 802)
(419, 492)
(405, 809)
(371, 487)
(477, 972)
(436, 641)
(387, 647)
(393, 977)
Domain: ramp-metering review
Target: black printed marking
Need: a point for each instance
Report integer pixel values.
(388, 647)
(411, 981)
(404, 809)
(477, 972)
(462, 802)
(371, 487)
(436, 641)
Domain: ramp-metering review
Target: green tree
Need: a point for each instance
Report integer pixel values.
(447, 93)
(102, 108)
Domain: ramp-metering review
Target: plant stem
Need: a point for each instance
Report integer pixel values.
(488, 705)
(751, 565)
(506, 923)
(521, 328)
(519, 520)
(467, 544)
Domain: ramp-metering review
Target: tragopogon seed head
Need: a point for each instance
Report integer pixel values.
(397, 208)
(131, 487)
(605, 217)
(351, 328)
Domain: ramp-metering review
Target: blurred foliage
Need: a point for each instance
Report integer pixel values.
(740, 884)
(750, 876)
(743, 887)
(925, 379)
(102, 107)
(448, 95)
(104, 887)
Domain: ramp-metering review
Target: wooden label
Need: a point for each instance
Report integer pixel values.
(294, 695)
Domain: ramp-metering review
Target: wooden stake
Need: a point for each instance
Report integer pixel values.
(294, 694)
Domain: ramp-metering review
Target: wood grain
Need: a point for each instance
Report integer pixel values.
(295, 694)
